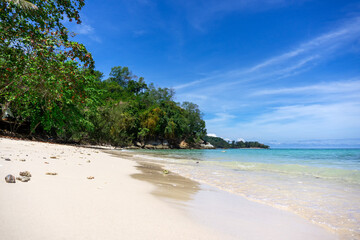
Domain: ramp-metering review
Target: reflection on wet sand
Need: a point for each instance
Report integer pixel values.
(170, 185)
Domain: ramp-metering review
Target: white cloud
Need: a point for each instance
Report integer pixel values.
(211, 135)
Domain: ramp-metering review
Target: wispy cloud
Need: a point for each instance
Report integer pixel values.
(298, 122)
(304, 57)
(86, 29)
(200, 12)
(342, 87)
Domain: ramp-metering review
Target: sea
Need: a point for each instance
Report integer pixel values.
(320, 185)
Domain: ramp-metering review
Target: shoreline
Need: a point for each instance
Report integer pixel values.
(208, 198)
(115, 204)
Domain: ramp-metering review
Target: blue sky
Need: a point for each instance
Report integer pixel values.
(282, 72)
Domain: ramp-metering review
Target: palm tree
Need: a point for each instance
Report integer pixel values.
(26, 5)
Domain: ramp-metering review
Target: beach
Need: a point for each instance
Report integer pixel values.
(97, 194)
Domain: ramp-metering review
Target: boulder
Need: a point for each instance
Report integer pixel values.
(161, 147)
(10, 179)
(149, 146)
(207, 146)
(183, 145)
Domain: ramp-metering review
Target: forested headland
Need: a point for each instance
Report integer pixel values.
(218, 142)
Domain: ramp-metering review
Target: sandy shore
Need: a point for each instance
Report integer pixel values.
(117, 205)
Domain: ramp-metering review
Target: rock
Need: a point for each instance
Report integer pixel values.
(88, 161)
(53, 157)
(7, 159)
(149, 146)
(23, 178)
(10, 179)
(91, 177)
(51, 173)
(46, 162)
(161, 147)
(183, 144)
(25, 174)
(23, 160)
(207, 146)
(165, 171)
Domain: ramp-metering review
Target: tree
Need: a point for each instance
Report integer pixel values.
(46, 79)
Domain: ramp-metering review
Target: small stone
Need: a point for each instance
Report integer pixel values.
(91, 177)
(23, 178)
(51, 173)
(10, 179)
(46, 162)
(23, 160)
(88, 161)
(7, 159)
(53, 157)
(165, 171)
(197, 162)
(25, 174)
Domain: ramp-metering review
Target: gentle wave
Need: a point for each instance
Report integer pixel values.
(350, 176)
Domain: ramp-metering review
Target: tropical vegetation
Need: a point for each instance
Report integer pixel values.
(49, 85)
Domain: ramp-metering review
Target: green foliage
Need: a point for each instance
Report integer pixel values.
(144, 114)
(218, 142)
(46, 79)
(49, 83)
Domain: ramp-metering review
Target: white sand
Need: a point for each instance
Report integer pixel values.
(111, 206)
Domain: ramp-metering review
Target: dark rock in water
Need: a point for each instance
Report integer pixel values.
(7, 159)
(25, 174)
(10, 179)
(23, 178)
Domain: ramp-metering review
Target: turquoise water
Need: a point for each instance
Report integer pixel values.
(321, 185)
